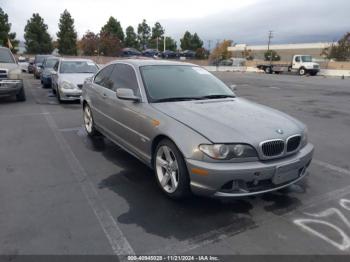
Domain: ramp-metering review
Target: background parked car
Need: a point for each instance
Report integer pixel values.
(150, 53)
(11, 83)
(31, 65)
(128, 51)
(169, 54)
(188, 54)
(23, 63)
(47, 69)
(38, 61)
(68, 76)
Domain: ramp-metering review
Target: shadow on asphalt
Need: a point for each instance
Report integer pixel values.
(151, 210)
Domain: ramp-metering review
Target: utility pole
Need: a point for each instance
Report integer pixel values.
(209, 43)
(164, 43)
(268, 45)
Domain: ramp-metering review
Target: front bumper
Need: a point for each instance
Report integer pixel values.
(70, 94)
(248, 178)
(46, 80)
(10, 87)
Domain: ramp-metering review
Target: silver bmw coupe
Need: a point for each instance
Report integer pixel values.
(193, 131)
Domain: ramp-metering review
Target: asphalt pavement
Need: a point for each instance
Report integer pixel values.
(63, 193)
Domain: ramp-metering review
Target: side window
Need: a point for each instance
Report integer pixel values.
(103, 77)
(55, 67)
(124, 76)
(297, 59)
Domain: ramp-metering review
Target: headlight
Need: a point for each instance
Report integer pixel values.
(304, 138)
(15, 74)
(228, 151)
(67, 85)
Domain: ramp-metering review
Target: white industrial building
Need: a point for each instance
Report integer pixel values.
(284, 50)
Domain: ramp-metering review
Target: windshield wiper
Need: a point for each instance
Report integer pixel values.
(173, 99)
(216, 96)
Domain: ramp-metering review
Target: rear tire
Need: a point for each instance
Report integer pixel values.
(170, 170)
(302, 71)
(21, 96)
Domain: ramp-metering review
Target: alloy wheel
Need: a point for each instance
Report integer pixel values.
(167, 169)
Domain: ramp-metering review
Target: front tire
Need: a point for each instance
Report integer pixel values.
(21, 96)
(89, 123)
(171, 170)
(302, 71)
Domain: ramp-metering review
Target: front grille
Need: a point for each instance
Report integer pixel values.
(293, 143)
(3, 73)
(272, 148)
(315, 66)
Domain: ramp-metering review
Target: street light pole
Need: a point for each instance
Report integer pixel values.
(164, 43)
(268, 46)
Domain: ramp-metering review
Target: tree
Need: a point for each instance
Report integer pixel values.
(170, 44)
(196, 42)
(190, 42)
(5, 35)
(144, 33)
(89, 43)
(185, 41)
(37, 39)
(67, 36)
(220, 52)
(131, 38)
(340, 51)
(157, 37)
(113, 28)
(273, 53)
(109, 45)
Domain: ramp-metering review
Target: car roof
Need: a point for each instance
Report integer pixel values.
(146, 62)
(76, 59)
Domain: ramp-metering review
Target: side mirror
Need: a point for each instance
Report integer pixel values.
(127, 94)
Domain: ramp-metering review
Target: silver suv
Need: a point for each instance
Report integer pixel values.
(11, 83)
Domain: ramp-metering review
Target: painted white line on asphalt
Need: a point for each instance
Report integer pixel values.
(274, 87)
(120, 245)
(24, 115)
(331, 167)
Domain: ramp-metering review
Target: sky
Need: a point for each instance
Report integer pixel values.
(243, 21)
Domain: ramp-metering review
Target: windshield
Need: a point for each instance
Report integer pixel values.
(306, 58)
(49, 63)
(6, 56)
(39, 59)
(78, 67)
(172, 81)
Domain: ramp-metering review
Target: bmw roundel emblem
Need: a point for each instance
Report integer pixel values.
(279, 131)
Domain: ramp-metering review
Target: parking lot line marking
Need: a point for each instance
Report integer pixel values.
(24, 115)
(119, 244)
(118, 241)
(331, 167)
(72, 129)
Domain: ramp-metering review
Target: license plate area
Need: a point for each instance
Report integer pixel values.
(286, 173)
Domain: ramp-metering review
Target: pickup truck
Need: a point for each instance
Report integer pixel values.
(11, 82)
(301, 64)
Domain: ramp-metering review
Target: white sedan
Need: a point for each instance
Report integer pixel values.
(68, 76)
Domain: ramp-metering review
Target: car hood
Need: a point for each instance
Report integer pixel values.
(76, 79)
(232, 120)
(9, 66)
